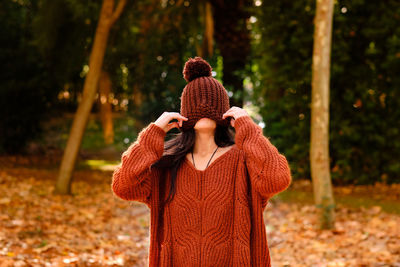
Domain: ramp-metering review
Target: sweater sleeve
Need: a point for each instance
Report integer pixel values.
(132, 178)
(269, 170)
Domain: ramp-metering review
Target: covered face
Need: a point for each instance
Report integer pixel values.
(203, 96)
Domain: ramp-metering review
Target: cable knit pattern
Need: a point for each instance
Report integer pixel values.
(132, 178)
(269, 170)
(216, 216)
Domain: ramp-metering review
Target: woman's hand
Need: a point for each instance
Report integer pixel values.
(164, 120)
(235, 112)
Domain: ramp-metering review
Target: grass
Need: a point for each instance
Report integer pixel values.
(98, 164)
(352, 201)
(57, 132)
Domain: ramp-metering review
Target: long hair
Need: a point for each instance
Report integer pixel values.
(176, 149)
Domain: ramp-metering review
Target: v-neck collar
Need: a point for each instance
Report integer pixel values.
(213, 162)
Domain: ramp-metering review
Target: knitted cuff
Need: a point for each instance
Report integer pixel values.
(152, 139)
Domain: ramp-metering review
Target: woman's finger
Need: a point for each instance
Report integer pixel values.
(173, 125)
(183, 117)
(227, 114)
(176, 115)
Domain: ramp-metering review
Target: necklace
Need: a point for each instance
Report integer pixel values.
(209, 160)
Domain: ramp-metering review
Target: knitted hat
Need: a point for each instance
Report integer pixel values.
(203, 96)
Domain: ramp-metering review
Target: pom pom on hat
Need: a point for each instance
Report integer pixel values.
(195, 68)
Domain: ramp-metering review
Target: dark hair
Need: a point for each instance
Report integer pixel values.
(176, 148)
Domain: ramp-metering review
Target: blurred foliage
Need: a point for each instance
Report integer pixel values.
(62, 31)
(45, 47)
(364, 114)
(153, 50)
(26, 91)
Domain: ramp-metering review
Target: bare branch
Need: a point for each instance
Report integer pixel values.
(118, 10)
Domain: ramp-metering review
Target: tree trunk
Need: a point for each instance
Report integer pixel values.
(145, 29)
(206, 48)
(105, 86)
(319, 150)
(107, 18)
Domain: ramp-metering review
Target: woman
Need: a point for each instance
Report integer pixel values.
(206, 188)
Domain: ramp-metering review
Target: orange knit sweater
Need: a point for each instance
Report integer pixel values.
(216, 216)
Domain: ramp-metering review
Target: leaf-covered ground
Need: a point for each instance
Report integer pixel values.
(94, 228)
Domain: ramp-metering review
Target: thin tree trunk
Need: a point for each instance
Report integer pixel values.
(319, 150)
(107, 18)
(206, 48)
(145, 28)
(105, 88)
